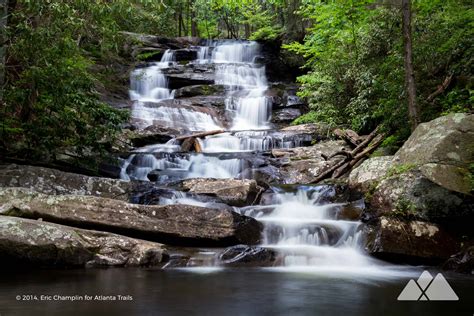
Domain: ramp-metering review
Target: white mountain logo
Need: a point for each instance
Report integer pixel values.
(428, 289)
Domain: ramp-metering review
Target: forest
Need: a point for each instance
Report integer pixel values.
(59, 55)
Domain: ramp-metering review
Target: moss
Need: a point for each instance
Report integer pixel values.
(371, 190)
(470, 176)
(405, 210)
(148, 55)
(400, 169)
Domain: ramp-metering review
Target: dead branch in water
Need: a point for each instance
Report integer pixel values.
(200, 134)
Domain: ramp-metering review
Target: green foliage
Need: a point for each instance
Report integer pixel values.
(400, 169)
(265, 34)
(392, 140)
(405, 210)
(58, 52)
(251, 19)
(470, 176)
(354, 55)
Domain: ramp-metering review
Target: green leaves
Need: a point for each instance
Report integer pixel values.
(51, 103)
(354, 57)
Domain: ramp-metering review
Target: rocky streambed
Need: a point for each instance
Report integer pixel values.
(241, 188)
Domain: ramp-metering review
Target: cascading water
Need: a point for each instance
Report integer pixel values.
(149, 83)
(149, 87)
(303, 227)
(235, 67)
(245, 100)
(310, 236)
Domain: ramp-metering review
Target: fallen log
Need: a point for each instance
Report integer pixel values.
(352, 158)
(349, 136)
(200, 134)
(441, 88)
(350, 164)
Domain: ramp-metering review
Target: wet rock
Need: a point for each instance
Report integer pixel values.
(230, 191)
(180, 80)
(199, 90)
(285, 115)
(444, 149)
(370, 173)
(203, 101)
(305, 164)
(52, 181)
(185, 54)
(281, 65)
(38, 243)
(172, 224)
(154, 134)
(247, 256)
(416, 242)
(350, 211)
(177, 261)
(265, 176)
(284, 96)
(462, 262)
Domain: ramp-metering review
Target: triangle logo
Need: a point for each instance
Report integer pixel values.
(427, 288)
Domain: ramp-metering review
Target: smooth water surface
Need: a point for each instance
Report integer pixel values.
(211, 291)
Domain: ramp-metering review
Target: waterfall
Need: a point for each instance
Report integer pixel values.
(149, 83)
(235, 67)
(174, 167)
(303, 227)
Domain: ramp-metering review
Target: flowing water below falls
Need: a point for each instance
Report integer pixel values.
(303, 226)
(306, 229)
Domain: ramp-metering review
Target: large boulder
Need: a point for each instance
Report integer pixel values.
(32, 242)
(428, 178)
(171, 224)
(370, 172)
(52, 181)
(444, 149)
(415, 242)
(230, 191)
(411, 194)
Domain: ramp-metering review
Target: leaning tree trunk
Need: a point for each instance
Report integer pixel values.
(409, 72)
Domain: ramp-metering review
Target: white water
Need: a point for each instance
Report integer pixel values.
(176, 167)
(305, 231)
(248, 141)
(247, 81)
(149, 83)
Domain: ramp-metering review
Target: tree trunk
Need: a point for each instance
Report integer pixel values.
(3, 39)
(409, 72)
(247, 30)
(194, 27)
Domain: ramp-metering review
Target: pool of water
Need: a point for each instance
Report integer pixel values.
(211, 291)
